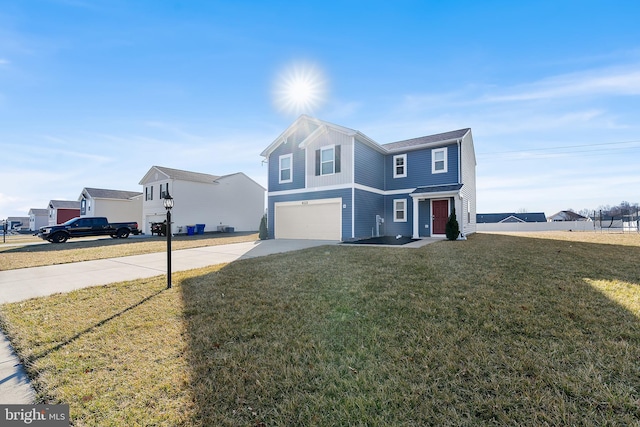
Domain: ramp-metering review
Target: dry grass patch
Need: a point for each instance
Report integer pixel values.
(497, 330)
(87, 250)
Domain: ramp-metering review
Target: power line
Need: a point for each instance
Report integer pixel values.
(564, 148)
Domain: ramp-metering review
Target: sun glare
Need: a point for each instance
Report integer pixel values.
(299, 89)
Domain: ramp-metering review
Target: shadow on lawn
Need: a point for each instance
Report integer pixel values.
(497, 329)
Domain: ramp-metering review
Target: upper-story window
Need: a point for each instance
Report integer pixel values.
(400, 166)
(284, 168)
(148, 193)
(164, 189)
(328, 160)
(439, 160)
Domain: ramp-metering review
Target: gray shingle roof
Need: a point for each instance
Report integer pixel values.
(101, 193)
(186, 175)
(437, 189)
(517, 217)
(423, 140)
(64, 204)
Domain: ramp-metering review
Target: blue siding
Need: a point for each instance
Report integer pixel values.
(424, 215)
(345, 194)
(419, 170)
(298, 167)
(394, 228)
(367, 206)
(369, 166)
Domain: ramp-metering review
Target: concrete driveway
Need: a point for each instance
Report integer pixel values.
(25, 283)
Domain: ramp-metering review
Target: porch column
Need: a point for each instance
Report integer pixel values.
(416, 218)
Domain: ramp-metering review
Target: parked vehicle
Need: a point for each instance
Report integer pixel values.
(82, 227)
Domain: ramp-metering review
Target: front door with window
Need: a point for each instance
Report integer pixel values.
(440, 216)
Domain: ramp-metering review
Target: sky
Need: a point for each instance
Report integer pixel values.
(93, 93)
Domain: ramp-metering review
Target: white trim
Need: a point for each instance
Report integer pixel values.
(404, 166)
(310, 202)
(416, 218)
(342, 187)
(353, 188)
(433, 160)
(404, 210)
(280, 169)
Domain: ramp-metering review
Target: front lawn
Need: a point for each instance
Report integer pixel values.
(497, 330)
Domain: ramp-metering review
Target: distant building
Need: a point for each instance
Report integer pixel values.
(62, 210)
(17, 223)
(496, 218)
(567, 216)
(38, 218)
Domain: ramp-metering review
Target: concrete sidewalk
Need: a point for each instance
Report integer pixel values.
(22, 284)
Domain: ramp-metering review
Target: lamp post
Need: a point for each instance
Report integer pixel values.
(168, 204)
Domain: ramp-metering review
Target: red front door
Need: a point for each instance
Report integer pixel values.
(440, 216)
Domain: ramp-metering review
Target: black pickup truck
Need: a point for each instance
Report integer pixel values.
(82, 227)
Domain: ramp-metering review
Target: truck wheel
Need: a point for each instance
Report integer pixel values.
(123, 233)
(59, 238)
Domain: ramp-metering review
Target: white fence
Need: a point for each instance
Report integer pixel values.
(618, 227)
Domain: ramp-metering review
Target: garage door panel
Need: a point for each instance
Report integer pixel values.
(309, 220)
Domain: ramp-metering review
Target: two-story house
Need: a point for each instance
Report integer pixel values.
(330, 182)
(219, 202)
(116, 205)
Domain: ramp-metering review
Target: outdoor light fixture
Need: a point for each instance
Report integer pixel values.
(168, 204)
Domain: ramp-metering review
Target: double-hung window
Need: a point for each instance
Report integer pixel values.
(400, 166)
(327, 161)
(439, 160)
(399, 210)
(164, 189)
(148, 193)
(285, 164)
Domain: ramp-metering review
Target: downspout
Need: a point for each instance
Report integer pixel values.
(460, 212)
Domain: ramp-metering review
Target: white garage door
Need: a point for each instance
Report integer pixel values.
(309, 219)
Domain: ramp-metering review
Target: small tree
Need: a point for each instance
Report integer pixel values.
(263, 231)
(452, 229)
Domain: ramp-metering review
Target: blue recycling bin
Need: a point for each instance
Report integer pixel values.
(191, 230)
(200, 228)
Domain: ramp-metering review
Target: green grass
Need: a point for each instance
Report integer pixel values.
(497, 330)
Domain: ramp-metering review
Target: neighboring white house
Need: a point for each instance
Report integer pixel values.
(38, 218)
(116, 205)
(231, 200)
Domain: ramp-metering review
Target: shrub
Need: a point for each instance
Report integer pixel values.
(452, 229)
(263, 231)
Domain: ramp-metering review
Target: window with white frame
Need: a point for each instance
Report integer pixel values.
(327, 161)
(400, 166)
(285, 163)
(439, 160)
(148, 193)
(399, 210)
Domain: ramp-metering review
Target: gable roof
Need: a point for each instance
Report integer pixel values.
(101, 193)
(181, 175)
(320, 126)
(567, 216)
(511, 217)
(64, 204)
(37, 212)
(453, 135)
